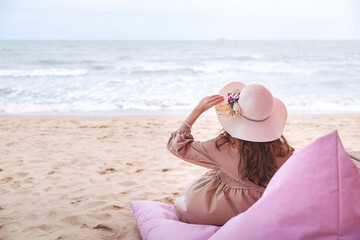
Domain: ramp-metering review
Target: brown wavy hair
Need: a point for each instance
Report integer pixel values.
(257, 159)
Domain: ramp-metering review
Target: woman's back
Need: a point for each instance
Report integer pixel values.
(257, 161)
(223, 192)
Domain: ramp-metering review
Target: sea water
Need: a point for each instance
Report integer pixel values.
(170, 77)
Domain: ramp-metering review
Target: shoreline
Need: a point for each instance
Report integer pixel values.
(72, 177)
(150, 113)
(182, 114)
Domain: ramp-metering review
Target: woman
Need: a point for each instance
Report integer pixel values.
(243, 158)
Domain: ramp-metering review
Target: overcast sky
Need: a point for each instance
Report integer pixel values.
(179, 19)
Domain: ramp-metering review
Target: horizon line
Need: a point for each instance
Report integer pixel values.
(186, 40)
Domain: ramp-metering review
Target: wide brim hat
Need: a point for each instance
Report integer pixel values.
(255, 114)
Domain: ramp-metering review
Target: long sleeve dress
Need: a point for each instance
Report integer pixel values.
(220, 194)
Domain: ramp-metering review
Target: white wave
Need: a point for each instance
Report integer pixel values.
(216, 67)
(257, 67)
(256, 56)
(59, 72)
(18, 108)
(309, 104)
(275, 67)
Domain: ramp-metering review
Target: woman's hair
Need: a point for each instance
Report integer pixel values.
(257, 159)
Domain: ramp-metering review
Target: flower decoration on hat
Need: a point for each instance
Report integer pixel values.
(233, 102)
(231, 108)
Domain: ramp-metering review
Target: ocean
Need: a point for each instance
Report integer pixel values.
(170, 77)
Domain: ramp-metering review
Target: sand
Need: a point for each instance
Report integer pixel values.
(73, 177)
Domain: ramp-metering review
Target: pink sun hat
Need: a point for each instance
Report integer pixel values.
(251, 113)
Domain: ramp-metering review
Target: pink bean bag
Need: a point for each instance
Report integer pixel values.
(314, 195)
(158, 221)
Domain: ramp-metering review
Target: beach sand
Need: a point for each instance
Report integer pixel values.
(73, 177)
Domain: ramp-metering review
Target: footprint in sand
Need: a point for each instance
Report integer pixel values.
(74, 202)
(114, 206)
(102, 227)
(7, 179)
(107, 171)
(105, 232)
(10, 144)
(103, 137)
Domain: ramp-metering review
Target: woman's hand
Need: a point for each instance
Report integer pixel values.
(208, 102)
(204, 104)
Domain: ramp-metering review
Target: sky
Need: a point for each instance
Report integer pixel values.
(179, 19)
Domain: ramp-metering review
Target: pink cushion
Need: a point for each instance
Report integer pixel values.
(314, 195)
(158, 221)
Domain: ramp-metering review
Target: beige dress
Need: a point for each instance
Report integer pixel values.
(220, 194)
